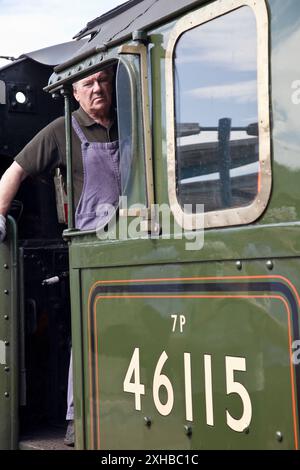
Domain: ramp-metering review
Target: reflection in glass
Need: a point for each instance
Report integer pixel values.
(123, 91)
(215, 74)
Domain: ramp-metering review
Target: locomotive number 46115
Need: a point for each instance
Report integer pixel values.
(132, 384)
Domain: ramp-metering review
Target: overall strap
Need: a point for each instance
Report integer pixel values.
(78, 130)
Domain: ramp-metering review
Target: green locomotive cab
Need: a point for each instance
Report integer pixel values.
(185, 305)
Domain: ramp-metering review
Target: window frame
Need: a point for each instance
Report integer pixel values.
(237, 215)
(116, 59)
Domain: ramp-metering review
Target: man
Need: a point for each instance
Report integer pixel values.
(96, 176)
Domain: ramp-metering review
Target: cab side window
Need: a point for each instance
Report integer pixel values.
(125, 124)
(216, 113)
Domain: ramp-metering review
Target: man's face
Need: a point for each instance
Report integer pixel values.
(94, 93)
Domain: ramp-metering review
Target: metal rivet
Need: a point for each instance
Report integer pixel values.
(270, 264)
(246, 431)
(6, 317)
(6, 343)
(188, 430)
(148, 421)
(279, 436)
(6, 369)
(5, 266)
(6, 394)
(239, 265)
(6, 292)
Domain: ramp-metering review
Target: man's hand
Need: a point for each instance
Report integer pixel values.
(2, 228)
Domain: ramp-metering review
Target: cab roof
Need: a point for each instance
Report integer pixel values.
(118, 24)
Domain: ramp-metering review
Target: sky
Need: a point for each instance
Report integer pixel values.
(28, 25)
(216, 79)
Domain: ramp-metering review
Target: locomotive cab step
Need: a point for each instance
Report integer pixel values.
(50, 438)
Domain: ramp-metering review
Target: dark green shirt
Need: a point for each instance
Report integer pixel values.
(47, 150)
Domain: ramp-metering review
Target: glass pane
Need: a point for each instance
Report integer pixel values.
(216, 117)
(124, 106)
(130, 126)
